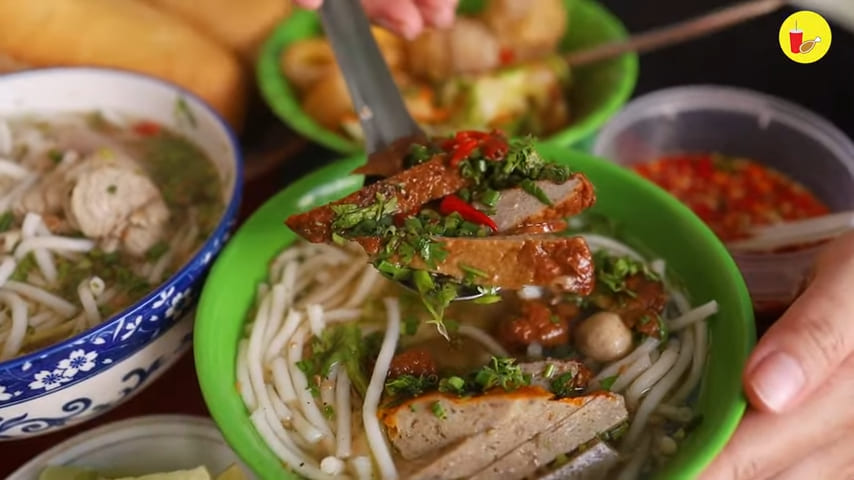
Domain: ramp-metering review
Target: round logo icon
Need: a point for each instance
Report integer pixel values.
(805, 37)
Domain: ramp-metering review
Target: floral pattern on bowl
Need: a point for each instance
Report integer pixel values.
(81, 377)
(84, 399)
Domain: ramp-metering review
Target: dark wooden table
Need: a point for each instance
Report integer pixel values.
(746, 56)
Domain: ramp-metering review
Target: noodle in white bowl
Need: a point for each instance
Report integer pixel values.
(94, 214)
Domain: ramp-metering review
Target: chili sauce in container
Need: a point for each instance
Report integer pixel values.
(739, 158)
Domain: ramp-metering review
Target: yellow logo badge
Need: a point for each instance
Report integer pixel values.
(805, 37)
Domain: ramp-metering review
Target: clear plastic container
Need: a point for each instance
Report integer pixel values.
(741, 122)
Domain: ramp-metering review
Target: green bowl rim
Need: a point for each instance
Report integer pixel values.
(279, 96)
(209, 379)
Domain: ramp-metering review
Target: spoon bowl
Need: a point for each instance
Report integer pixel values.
(382, 112)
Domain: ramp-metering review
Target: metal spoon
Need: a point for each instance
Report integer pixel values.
(376, 99)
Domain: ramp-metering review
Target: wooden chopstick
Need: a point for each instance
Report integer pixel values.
(676, 33)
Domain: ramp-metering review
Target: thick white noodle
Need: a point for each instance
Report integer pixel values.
(97, 286)
(327, 393)
(87, 299)
(343, 416)
(326, 293)
(308, 435)
(678, 414)
(282, 380)
(306, 402)
(16, 192)
(244, 384)
(6, 142)
(42, 317)
(644, 348)
(253, 355)
(373, 431)
(7, 268)
(628, 375)
(277, 314)
(365, 285)
(702, 312)
(649, 378)
(484, 339)
(698, 363)
(277, 344)
(640, 455)
(53, 242)
(363, 467)
(657, 393)
(15, 339)
(315, 319)
(599, 242)
(301, 464)
(342, 315)
(59, 304)
(332, 465)
(158, 269)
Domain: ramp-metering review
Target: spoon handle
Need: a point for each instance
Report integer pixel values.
(797, 232)
(376, 98)
(676, 33)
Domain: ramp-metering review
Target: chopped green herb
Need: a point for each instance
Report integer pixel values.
(663, 329)
(487, 299)
(554, 319)
(437, 410)
(564, 385)
(183, 112)
(453, 384)
(534, 190)
(25, 266)
(472, 271)
(55, 155)
(111, 189)
(502, 372)
(412, 408)
(353, 220)
(410, 325)
(549, 371)
(343, 345)
(612, 272)
(328, 411)
(607, 382)
(157, 250)
(6, 221)
(410, 385)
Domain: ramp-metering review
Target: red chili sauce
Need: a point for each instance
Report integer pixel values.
(732, 194)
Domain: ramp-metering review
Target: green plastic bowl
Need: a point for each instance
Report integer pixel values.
(598, 91)
(657, 222)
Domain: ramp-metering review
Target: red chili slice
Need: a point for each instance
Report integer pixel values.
(453, 203)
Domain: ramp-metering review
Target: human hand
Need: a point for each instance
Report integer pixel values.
(404, 17)
(800, 383)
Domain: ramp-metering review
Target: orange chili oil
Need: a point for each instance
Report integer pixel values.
(732, 194)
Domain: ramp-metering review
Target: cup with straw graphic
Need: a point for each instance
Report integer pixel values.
(796, 38)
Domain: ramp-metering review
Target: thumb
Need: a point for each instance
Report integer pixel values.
(310, 4)
(813, 337)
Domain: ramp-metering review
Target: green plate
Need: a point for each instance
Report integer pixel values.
(598, 91)
(657, 221)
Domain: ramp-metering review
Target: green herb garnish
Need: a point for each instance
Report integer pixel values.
(411, 385)
(342, 344)
(6, 221)
(502, 372)
(437, 410)
(612, 272)
(55, 155)
(564, 385)
(608, 382)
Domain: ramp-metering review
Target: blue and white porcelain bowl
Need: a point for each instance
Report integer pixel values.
(82, 377)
